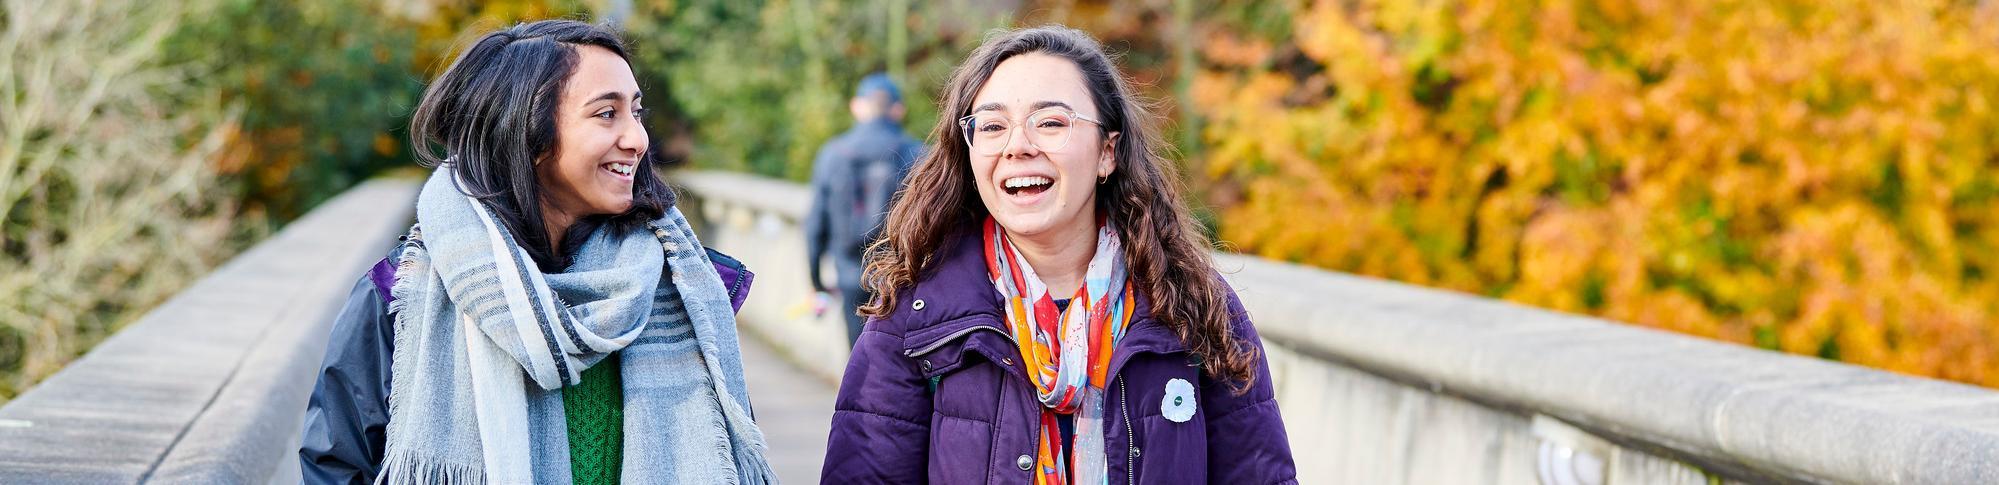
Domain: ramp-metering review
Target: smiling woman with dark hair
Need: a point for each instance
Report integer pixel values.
(551, 318)
(1049, 312)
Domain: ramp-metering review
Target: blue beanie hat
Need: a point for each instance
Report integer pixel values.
(879, 82)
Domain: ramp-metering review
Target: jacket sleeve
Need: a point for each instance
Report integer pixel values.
(736, 277)
(345, 420)
(881, 417)
(1245, 431)
(816, 229)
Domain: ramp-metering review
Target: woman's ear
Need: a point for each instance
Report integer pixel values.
(1107, 162)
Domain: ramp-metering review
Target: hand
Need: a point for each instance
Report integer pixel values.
(820, 300)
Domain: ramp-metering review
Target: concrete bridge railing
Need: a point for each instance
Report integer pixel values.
(1379, 382)
(211, 386)
(1386, 383)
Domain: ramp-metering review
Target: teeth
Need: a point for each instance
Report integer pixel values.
(1018, 182)
(623, 169)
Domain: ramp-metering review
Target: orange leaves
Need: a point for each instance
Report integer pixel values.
(1815, 177)
(1225, 49)
(1560, 252)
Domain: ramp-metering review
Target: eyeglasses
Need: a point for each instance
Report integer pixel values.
(987, 133)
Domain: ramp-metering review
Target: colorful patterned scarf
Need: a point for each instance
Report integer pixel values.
(1069, 379)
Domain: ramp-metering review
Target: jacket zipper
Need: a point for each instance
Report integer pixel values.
(1124, 397)
(949, 338)
(1130, 434)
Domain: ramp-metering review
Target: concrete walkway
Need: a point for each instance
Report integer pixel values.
(793, 407)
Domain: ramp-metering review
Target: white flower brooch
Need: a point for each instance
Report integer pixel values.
(1178, 405)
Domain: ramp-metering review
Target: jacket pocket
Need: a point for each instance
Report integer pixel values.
(1170, 452)
(960, 449)
(1167, 451)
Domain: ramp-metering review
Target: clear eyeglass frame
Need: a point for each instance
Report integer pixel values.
(988, 144)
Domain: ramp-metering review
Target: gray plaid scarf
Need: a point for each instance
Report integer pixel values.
(485, 343)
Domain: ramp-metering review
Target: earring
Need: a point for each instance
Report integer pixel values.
(1102, 178)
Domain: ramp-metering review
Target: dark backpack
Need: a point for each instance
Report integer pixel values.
(875, 178)
(875, 181)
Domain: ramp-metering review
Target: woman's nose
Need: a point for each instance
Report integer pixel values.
(1018, 145)
(634, 137)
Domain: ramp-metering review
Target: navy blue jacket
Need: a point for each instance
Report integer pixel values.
(346, 420)
(853, 179)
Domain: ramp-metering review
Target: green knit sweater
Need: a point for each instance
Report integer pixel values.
(595, 411)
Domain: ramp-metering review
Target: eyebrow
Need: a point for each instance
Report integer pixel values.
(1050, 104)
(1037, 105)
(615, 96)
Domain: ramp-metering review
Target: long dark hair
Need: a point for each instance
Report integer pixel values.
(493, 114)
(1167, 253)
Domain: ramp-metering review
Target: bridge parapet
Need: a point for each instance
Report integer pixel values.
(1383, 382)
(211, 386)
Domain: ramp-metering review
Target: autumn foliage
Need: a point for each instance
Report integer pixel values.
(1814, 176)
(1811, 176)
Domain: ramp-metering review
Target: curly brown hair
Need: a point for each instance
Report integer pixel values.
(1167, 251)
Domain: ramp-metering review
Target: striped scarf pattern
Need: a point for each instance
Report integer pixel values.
(485, 343)
(1068, 379)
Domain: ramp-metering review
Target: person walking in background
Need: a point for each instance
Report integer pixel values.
(552, 318)
(1049, 312)
(853, 178)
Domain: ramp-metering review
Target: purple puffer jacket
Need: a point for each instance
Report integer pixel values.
(935, 394)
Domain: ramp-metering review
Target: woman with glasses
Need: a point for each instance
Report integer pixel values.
(1048, 309)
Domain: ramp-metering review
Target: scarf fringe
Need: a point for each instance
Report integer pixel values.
(753, 469)
(409, 268)
(749, 450)
(410, 468)
(746, 439)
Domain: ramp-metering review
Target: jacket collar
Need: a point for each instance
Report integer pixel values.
(879, 123)
(957, 300)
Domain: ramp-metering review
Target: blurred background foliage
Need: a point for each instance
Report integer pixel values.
(758, 86)
(107, 202)
(1811, 176)
(145, 142)
(1800, 175)
(327, 86)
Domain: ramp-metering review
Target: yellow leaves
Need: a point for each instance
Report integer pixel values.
(1815, 177)
(1558, 253)
(1351, 56)
(1252, 106)
(1323, 32)
(1868, 295)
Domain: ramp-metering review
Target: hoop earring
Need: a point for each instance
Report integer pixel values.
(1100, 180)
